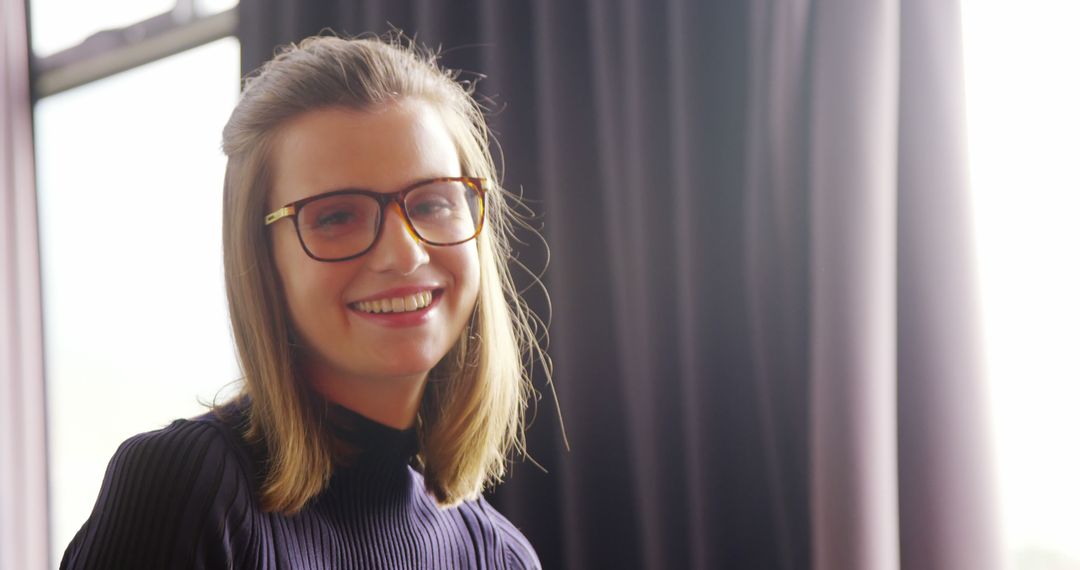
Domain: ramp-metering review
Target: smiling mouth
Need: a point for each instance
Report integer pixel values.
(405, 304)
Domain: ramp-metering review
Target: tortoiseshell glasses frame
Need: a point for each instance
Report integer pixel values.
(353, 219)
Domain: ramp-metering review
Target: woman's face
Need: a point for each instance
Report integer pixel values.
(383, 150)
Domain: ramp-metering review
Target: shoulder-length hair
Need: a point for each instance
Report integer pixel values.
(472, 415)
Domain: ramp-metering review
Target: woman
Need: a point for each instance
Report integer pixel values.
(378, 333)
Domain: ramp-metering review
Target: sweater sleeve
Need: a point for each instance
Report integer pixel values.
(173, 498)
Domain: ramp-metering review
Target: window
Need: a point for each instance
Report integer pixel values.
(129, 172)
(1023, 86)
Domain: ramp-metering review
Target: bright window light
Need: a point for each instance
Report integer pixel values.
(136, 329)
(205, 7)
(1023, 88)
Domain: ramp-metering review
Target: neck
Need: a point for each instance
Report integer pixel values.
(389, 401)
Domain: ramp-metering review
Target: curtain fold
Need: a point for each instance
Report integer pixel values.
(777, 258)
(761, 325)
(23, 477)
(948, 515)
(854, 51)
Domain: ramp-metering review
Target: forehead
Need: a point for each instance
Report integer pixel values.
(382, 149)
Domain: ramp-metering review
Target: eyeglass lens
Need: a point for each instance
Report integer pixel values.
(342, 225)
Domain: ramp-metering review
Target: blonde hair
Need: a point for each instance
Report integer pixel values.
(473, 415)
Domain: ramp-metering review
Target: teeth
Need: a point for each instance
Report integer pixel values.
(395, 304)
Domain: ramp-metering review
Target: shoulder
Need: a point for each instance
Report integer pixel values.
(167, 499)
(492, 535)
(191, 457)
(508, 542)
(518, 550)
(194, 438)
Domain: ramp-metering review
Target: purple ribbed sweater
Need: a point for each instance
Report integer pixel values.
(185, 497)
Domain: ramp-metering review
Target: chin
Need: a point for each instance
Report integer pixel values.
(401, 366)
(405, 361)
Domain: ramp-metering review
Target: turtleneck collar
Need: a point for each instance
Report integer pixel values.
(367, 441)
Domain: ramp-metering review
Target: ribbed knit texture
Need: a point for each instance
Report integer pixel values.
(186, 497)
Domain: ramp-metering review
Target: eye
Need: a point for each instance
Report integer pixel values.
(334, 218)
(338, 215)
(430, 207)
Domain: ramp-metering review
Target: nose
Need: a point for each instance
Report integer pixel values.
(397, 250)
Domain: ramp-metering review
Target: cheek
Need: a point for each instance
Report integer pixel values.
(285, 263)
(462, 266)
(309, 287)
(296, 295)
(470, 276)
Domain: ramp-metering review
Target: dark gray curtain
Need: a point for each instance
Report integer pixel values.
(764, 344)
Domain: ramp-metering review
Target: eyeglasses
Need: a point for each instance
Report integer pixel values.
(345, 224)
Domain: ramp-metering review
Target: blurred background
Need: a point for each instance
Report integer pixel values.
(813, 268)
